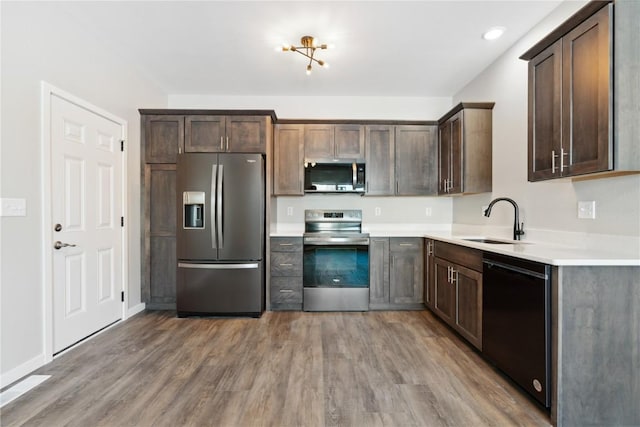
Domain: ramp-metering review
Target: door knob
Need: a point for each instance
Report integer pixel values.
(60, 245)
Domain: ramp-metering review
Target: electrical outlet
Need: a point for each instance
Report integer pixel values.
(427, 211)
(587, 210)
(377, 211)
(289, 211)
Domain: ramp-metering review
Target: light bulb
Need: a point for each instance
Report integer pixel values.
(308, 69)
(493, 33)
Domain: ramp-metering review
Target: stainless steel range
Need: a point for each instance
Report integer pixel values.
(336, 261)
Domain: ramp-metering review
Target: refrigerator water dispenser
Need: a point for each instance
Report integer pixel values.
(193, 208)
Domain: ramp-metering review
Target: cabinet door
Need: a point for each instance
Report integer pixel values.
(247, 134)
(379, 270)
(159, 287)
(163, 138)
(586, 87)
(444, 157)
(457, 145)
(319, 142)
(349, 142)
(406, 270)
(205, 134)
(444, 301)
(288, 160)
(429, 274)
(380, 159)
(416, 161)
(468, 284)
(545, 79)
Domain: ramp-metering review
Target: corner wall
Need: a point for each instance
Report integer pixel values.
(40, 41)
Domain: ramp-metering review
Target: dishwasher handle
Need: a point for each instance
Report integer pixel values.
(515, 269)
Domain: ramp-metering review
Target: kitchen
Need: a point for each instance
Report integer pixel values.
(547, 208)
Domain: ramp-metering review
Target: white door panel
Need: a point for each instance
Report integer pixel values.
(86, 200)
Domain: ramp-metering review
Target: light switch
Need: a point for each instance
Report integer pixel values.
(13, 207)
(587, 210)
(289, 210)
(377, 211)
(428, 211)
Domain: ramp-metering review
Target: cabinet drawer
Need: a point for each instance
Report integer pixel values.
(286, 264)
(399, 244)
(286, 244)
(470, 258)
(286, 290)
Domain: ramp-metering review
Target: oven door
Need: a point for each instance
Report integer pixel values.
(336, 274)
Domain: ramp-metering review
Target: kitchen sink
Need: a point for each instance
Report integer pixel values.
(491, 241)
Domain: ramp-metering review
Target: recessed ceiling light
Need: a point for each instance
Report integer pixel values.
(493, 33)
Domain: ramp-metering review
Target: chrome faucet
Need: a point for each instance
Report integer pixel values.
(518, 228)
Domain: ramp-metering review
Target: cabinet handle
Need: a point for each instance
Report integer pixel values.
(397, 187)
(429, 248)
(448, 274)
(367, 187)
(286, 265)
(286, 244)
(286, 291)
(562, 154)
(553, 161)
(406, 244)
(227, 143)
(450, 185)
(454, 276)
(221, 144)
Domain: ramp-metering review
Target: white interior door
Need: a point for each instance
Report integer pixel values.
(86, 207)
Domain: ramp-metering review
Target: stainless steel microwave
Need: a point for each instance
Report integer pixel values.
(334, 177)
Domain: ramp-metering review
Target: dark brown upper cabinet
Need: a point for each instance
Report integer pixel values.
(162, 137)
(465, 149)
(416, 167)
(571, 98)
(328, 142)
(288, 152)
(217, 134)
(380, 151)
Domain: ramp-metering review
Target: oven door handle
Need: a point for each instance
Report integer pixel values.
(336, 241)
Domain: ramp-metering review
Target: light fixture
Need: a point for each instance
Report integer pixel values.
(308, 49)
(493, 33)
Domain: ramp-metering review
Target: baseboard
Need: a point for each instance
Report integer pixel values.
(6, 378)
(135, 309)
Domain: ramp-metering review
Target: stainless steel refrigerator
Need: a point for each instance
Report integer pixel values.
(220, 237)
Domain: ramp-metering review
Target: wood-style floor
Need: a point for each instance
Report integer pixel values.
(284, 369)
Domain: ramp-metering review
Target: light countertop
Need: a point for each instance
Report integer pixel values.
(592, 251)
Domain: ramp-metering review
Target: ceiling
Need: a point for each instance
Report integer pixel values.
(382, 48)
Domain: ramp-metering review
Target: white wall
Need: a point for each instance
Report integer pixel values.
(550, 205)
(41, 42)
(324, 107)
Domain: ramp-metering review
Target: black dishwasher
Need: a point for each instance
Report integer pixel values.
(516, 321)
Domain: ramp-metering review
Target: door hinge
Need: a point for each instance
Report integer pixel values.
(122, 145)
(122, 296)
(121, 221)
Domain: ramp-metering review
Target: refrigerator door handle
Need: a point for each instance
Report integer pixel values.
(212, 207)
(250, 265)
(220, 209)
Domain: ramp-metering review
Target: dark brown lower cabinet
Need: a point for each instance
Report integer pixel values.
(159, 237)
(396, 273)
(285, 287)
(429, 274)
(458, 289)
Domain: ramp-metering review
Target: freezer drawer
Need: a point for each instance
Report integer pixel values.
(222, 289)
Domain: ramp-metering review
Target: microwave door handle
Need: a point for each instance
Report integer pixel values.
(354, 178)
(212, 206)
